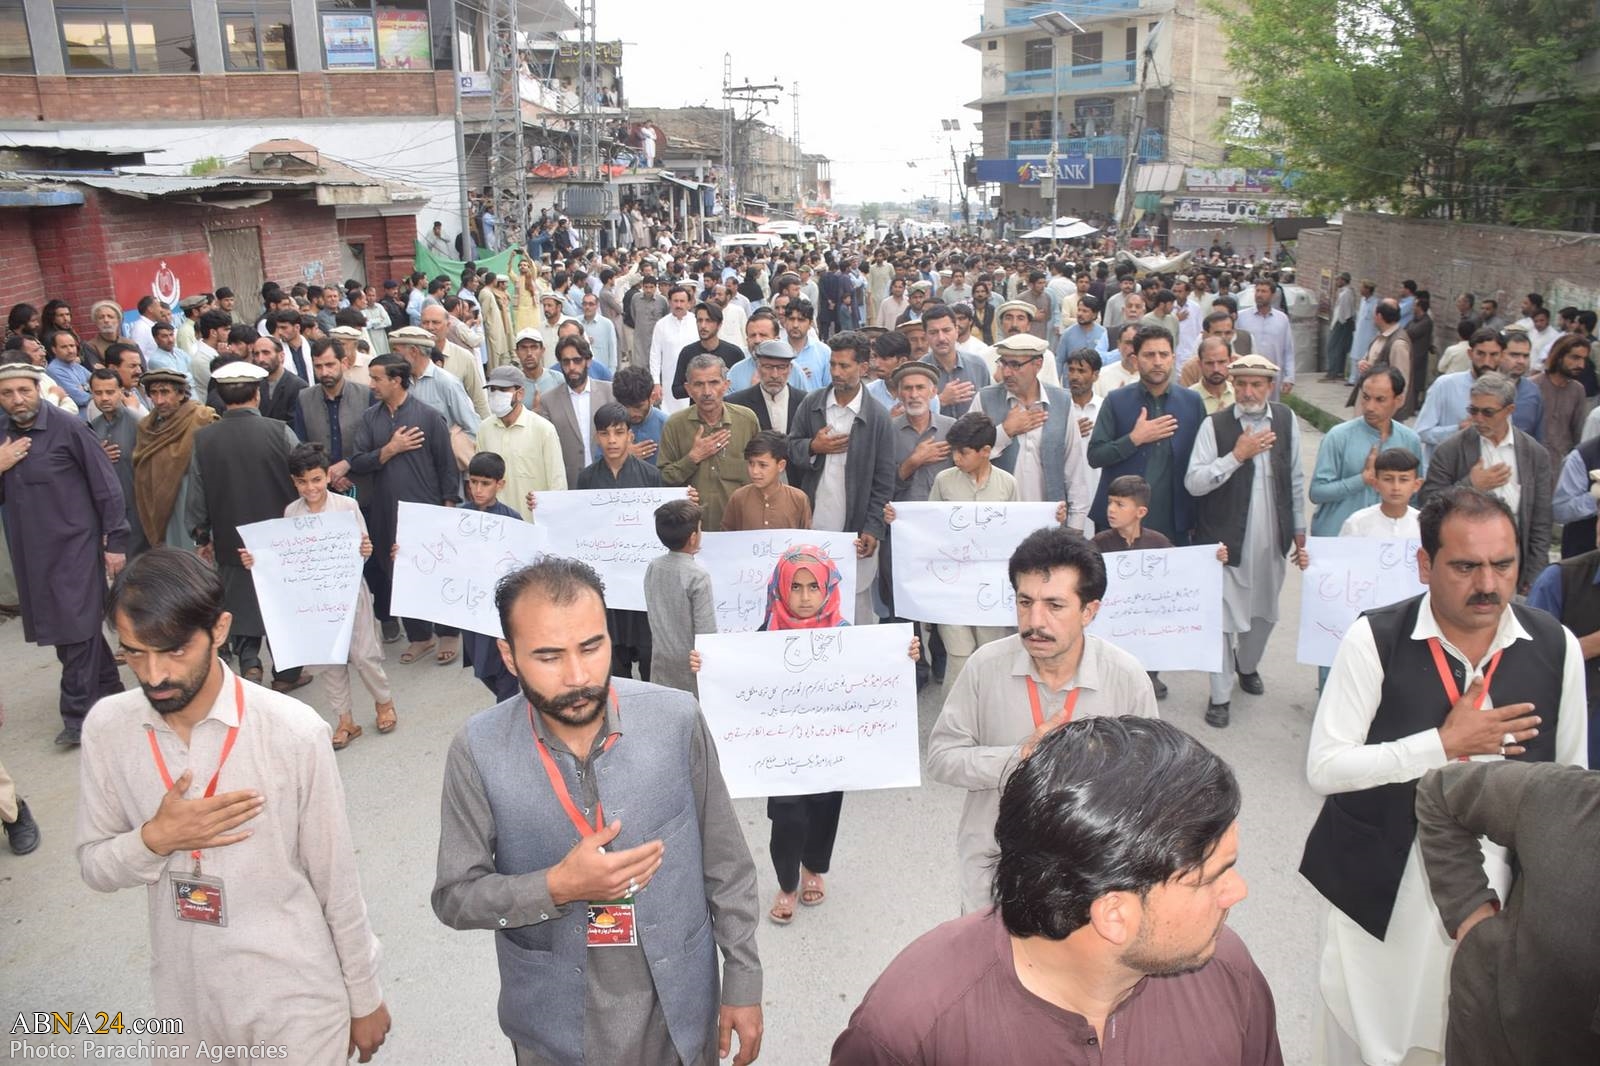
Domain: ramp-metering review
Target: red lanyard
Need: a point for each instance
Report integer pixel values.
(227, 749)
(1067, 705)
(559, 786)
(1448, 680)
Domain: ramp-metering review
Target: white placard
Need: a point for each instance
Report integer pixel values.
(1164, 606)
(741, 563)
(307, 573)
(1348, 575)
(613, 530)
(812, 710)
(450, 559)
(950, 559)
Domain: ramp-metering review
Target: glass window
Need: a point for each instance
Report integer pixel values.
(131, 37)
(16, 56)
(1087, 49)
(1036, 55)
(258, 36)
(387, 35)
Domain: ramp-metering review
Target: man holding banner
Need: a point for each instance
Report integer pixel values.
(1249, 489)
(1051, 667)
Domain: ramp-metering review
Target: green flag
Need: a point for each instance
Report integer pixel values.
(433, 265)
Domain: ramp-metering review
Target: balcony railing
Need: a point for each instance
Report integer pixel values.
(1076, 9)
(1076, 79)
(1152, 146)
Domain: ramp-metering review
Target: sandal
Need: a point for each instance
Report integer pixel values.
(386, 717)
(416, 650)
(812, 892)
(449, 649)
(343, 735)
(782, 912)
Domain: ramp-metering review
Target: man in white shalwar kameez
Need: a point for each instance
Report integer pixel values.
(1386, 717)
(221, 798)
(1274, 524)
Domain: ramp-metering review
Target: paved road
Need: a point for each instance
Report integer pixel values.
(64, 947)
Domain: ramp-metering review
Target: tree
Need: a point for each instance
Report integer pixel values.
(871, 212)
(1434, 108)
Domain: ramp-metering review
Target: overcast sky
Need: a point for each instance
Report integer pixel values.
(866, 52)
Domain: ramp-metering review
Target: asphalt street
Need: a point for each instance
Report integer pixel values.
(64, 947)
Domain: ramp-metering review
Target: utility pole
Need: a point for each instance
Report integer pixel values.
(1127, 189)
(799, 169)
(1058, 26)
(751, 96)
(508, 160)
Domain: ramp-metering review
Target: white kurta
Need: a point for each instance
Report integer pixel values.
(1388, 997)
(297, 959)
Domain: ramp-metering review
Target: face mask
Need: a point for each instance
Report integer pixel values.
(500, 403)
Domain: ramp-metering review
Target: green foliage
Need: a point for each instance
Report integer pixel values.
(206, 165)
(871, 212)
(1433, 108)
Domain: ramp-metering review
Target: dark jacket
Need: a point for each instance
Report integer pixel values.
(284, 399)
(1452, 464)
(752, 400)
(870, 470)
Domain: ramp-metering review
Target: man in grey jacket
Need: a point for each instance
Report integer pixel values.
(607, 927)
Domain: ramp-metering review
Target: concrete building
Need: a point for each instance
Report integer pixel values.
(768, 169)
(1188, 89)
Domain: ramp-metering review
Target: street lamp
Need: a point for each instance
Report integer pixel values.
(1057, 25)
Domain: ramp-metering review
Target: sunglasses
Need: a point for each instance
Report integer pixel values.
(1483, 412)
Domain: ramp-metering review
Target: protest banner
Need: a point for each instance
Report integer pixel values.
(450, 559)
(307, 573)
(812, 710)
(741, 563)
(1348, 575)
(613, 530)
(950, 559)
(1164, 606)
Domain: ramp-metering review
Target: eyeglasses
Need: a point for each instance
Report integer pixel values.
(1018, 364)
(1483, 412)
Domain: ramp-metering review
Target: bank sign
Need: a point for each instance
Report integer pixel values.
(1072, 171)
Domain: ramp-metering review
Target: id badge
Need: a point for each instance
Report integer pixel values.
(611, 925)
(199, 899)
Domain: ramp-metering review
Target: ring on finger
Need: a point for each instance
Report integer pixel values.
(1506, 741)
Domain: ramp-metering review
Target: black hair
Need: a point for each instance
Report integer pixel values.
(1396, 460)
(1130, 487)
(103, 373)
(972, 430)
(610, 414)
(576, 341)
(1105, 804)
(632, 386)
(1397, 380)
(487, 464)
(712, 311)
(1053, 547)
(558, 579)
(849, 340)
(936, 311)
(891, 344)
(801, 306)
(393, 366)
(116, 350)
(349, 316)
(676, 522)
(1389, 311)
(283, 318)
(161, 327)
(1087, 355)
(214, 320)
(304, 458)
(1151, 333)
(166, 595)
(234, 393)
(1487, 335)
(1090, 302)
(1226, 301)
(1460, 500)
(768, 442)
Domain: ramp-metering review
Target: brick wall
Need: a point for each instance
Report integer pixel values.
(223, 97)
(388, 243)
(1449, 258)
(20, 278)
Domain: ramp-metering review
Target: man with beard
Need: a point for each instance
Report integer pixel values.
(280, 389)
(1345, 480)
(774, 397)
(330, 415)
(703, 446)
(67, 531)
(1037, 438)
(1444, 410)
(240, 474)
(571, 407)
(1118, 839)
(1215, 386)
(708, 318)
(960, 375)
(258, 931)
(606, 938)
(117, 430)
(161, 458)
(1457, 673)
(1249, 490)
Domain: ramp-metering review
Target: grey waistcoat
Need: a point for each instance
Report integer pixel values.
(644, 783)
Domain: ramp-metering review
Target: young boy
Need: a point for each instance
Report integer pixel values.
(486, 476)
(308, 469)
(1396, 472)
(769, 501)
(677, 595)
(1127, 502)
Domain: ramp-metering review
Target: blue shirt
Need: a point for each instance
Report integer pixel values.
(1572, 502)
(1336, 485)
(74, 381)
(550, 379)
(1446, 405)
(650, 429)
(1077, 337)
(812, 362)
(878, 389)
(176, 361)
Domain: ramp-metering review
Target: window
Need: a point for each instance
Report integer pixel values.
(1087, 49)
(16, 56)
(257, 36)
(993, 45)
(127, 37)
(1036, 55)
(1133, 43)
(386, 35)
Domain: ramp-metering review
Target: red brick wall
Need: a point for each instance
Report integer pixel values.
(20, 278)
(388, 243)
(225, 97)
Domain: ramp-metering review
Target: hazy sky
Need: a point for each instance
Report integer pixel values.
(848, 57)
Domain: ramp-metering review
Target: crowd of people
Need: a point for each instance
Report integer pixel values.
(814, 389)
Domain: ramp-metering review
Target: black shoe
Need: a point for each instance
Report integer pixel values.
(1217, 715)
(1159, 686)
(1251, 683)
(24, 832)
(69, 737)
(391, 631)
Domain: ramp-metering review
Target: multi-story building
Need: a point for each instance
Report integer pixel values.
(1096, 76)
